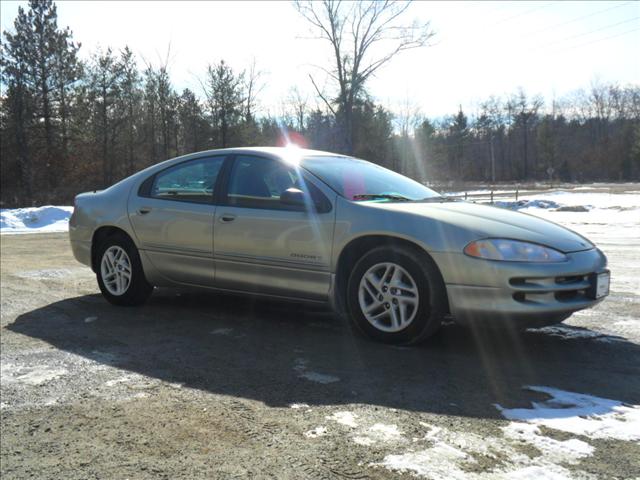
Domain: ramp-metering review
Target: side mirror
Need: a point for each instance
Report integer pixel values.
(293, 197)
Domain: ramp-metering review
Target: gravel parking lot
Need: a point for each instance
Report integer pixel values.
(199, 385)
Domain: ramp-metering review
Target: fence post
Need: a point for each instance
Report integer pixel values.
(516, 194)
(465, 196)
(492, 197)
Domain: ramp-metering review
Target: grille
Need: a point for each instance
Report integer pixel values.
(561, 289)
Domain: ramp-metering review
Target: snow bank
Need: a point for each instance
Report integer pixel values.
(45, 219)
(561, 200)
(580, 414)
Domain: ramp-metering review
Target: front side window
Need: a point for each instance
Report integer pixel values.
(258, 182)
(192, 181)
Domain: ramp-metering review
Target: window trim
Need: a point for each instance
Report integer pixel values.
(146, 186)
(324, 202)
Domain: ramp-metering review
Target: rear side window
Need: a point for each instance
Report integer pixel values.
(192, 181)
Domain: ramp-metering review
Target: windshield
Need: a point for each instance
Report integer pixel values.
(361, 180)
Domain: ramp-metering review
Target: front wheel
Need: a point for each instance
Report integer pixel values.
(396, 295)
(120, 275)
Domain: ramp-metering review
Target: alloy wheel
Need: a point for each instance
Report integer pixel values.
(388, 297)
(115, 269)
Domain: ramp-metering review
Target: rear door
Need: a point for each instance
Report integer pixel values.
(265, 246)
(173, 217)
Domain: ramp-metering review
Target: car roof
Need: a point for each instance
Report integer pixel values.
(275, 151)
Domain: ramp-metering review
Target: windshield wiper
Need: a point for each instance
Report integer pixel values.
(385, 196)
(439, 198)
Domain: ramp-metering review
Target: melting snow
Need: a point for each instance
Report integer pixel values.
(45, 219)
(581, 414)
(45, 274)
(221, 331)
(569, 332)
(450, 455)
(347, 419)
(31, 375)
(301, 368)
(438, 462)
(568, 451)
(316, 432)
(380, 433)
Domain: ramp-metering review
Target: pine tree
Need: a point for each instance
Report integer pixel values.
(40, 62)
(225, 100)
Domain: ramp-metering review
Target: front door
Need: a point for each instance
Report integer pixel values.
(265, 246)
(173, 220)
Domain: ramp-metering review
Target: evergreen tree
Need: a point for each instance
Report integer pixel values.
(225, 99)
(40, 63)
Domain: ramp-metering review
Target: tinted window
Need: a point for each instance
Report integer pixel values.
(258, 182)
(192, 181)
(351, 177)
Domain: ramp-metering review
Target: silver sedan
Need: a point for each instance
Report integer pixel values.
(383, 250)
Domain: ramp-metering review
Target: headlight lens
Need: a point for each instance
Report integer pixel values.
(512, 251)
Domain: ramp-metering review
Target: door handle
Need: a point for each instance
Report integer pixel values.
(227, 217)
(144, 210)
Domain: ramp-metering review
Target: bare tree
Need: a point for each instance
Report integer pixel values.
(363, 36)
(253, 87)
(407, 117)
(298, 103)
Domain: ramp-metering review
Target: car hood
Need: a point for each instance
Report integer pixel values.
(488, 221)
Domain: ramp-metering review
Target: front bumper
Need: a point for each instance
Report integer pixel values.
(527, 293)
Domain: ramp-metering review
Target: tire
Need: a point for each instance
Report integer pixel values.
(122, 258)
(423, 310)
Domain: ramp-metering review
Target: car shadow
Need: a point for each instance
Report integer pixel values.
(280, 353)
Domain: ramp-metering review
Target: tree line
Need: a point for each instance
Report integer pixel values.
(69, 125)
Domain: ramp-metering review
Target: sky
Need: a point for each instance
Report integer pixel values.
(479, 49)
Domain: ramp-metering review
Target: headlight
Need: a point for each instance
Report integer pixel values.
(512, 251)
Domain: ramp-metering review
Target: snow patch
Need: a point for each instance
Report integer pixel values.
(438, 462)
(520, 204)
(45, 274)
(222, 331)
(567, 451)
(90, 319)
(581, 414)
(46, 219)
(31, 375)
(347, 419)
(296, 406)
(316, 432)
(569, 332)
(380, 433)
(451, 455)
(301, 368)
(539, 473)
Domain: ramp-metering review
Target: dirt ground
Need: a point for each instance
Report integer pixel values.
(199, 385)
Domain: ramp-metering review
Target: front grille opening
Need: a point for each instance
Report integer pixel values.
(569, 280)
(570, 295)
(519, 297)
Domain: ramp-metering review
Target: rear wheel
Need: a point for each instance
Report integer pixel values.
(396, 295)
(120, 275)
